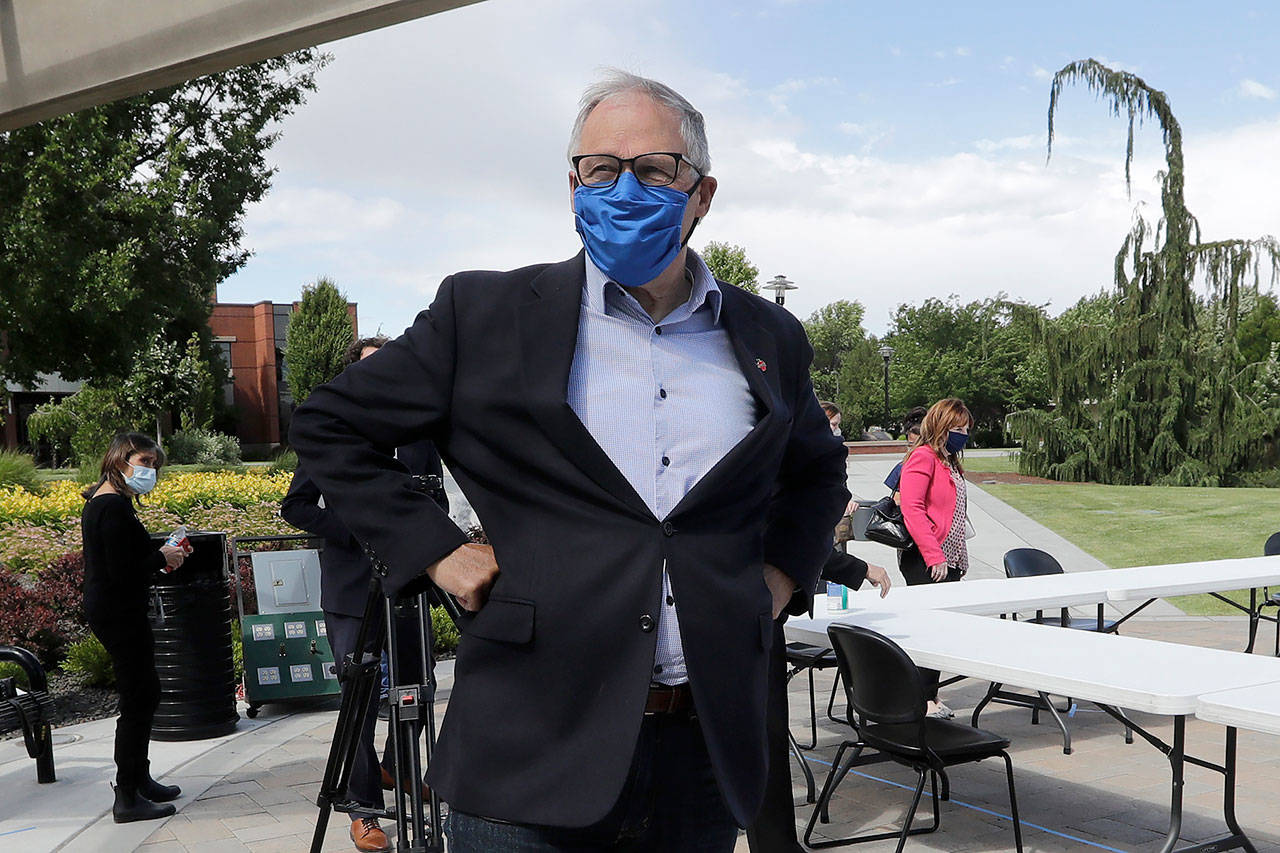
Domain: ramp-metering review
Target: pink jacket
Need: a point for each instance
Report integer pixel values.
(928, 502)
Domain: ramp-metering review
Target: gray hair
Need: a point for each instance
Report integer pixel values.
(615, 81)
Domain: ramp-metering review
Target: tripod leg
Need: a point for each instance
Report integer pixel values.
(396, 732)
(357, 674)
(426, 648)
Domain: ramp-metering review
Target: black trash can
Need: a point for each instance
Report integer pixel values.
(191, 621)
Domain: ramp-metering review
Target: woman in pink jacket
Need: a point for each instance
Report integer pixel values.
(934, 508)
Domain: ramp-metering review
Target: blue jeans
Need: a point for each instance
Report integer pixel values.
(669, 803)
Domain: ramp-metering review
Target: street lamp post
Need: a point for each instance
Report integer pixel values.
(779, 285)
(886, 352)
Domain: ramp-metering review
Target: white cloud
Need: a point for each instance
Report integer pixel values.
(1253, 89)
(440, 145)
(1041, 73)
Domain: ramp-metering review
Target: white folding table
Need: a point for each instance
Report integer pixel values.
(1256, 708)
(1110, 671)
(1213, 577)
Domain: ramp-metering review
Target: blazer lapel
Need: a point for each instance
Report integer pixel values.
(548, 329)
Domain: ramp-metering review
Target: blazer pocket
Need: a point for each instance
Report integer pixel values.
(505, 620)
(766, 631)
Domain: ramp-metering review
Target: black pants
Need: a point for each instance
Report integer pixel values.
(365, 785)
(128, 640)
(670, 803)
(774, 830)
(915, 572)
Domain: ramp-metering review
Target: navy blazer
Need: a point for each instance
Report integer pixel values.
(552, 674)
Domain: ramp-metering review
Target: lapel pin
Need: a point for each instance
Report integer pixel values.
(760, 364)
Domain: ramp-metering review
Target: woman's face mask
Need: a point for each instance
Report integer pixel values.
(142, 480)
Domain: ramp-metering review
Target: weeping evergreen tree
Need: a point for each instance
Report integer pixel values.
(1146, 397)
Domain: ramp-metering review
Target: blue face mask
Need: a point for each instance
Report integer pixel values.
(956, 441)
(142, 480)
(631, 231)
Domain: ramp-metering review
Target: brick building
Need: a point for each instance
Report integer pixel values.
(251, 338)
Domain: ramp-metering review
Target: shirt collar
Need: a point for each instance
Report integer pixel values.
(704, 290)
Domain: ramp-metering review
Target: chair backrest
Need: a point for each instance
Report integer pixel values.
(1272, 548)
(881, 683)
(1030, 562)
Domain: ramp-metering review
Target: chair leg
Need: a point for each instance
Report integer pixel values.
(813, 713)
(828, 787)
(1013, 802)
(911, 813)
(946, 785)
(804, 767)
(841, 772)
(835, 688)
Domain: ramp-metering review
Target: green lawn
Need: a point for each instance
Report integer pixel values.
(1005, 464)
(1150, 525)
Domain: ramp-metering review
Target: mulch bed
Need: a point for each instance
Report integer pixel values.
(76, 703)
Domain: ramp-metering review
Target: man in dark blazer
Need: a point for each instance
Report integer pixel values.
(345, 572)
(610, 689)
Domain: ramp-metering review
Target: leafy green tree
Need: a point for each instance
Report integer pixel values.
(85, 422)
(1259, 328)
(168, 378)
(729, 263)
(846, 369)
(319, 334)
(118, 221)
(1150, 396)
(984, 352)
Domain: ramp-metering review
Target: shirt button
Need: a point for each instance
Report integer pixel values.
(668, 528)
(657, 330)
(658, 669)
(665, 461)
(671, 602)
(646, 623)
(662, 392)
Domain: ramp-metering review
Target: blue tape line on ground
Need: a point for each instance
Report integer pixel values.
(963, 804)
(16, 831)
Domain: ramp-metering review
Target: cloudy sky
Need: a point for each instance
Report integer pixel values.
(883, 152)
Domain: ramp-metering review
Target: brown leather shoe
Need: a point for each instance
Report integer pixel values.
(368, 836)
(389, 784)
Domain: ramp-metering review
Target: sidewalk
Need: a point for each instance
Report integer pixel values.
(255, 791)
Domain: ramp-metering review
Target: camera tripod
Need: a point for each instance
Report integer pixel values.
(410, 705)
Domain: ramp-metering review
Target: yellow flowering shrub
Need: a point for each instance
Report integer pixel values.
(178, 494)
(36, 528)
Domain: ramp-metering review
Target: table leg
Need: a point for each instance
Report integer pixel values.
(1177, 756)
(1229, 793)
(1178, 759)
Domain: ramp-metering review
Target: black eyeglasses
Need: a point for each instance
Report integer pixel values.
(658, 169)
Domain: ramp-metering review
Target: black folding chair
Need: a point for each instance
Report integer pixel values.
(1272, 549)
(886, 702)
(1028, 563)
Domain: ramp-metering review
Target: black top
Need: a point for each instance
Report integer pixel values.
(119, 557)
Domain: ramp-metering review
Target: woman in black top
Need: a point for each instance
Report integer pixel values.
(119, 559)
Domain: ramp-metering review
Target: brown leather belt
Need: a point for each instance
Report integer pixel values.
(669, 699)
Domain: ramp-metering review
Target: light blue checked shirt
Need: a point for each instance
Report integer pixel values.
(665, 401)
